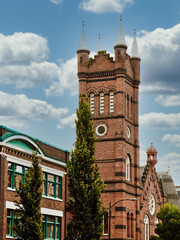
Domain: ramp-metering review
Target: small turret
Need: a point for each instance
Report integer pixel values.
(152, 156)
(135, 59)
(120, 48)
(83, 53)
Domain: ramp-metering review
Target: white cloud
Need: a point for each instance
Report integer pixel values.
(172, 160)
(23, 60)
(22, 48)
(160, 54)
(160, 120)
(101, 6)
(67, 79)
(17, 110)
(172, 139)
(143, 157)
(56, 1)
(168, 101)
(67, 122)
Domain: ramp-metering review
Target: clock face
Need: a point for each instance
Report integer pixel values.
(101, 129)
(128, 131)
(151, 204)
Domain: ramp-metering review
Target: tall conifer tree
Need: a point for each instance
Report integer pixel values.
(28, 224)
(84, 182)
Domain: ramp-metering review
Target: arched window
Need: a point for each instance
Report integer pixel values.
(128, 225)
(111, 98)
(92, 103)
(146, 227)
(128, 106)
(105, 224)
(132, 225)
(101, 103)
(127, 168)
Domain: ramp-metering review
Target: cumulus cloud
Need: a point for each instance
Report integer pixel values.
(67, 122)
(171, 160)
(172, 139)
(17, 110)
(168, 101)
(56, 1)
(160, 120)
(24, 63)
(102, 6)
(67, 79)
(160, 54)
(23, 60)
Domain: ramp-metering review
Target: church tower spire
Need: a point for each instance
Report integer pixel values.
(83, 43)
(134, 50)
(120, 37)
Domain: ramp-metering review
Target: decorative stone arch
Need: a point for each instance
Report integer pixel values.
(91, 91)
(101, 89)
(22, 142)
(111, 88)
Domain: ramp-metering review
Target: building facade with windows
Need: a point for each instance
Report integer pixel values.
(15, 158)
(112, 86)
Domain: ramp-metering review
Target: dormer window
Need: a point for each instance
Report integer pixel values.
(92, 103)
(101, 103)
(111, 102)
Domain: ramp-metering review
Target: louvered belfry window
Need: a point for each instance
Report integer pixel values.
(111, 102)
(92, 103)
(101, 103)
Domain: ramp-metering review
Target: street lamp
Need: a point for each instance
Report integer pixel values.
(110, 206)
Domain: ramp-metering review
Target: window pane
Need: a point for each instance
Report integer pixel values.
(50, 219)
(9, 179)
(50, 177)
(57, 231)
(44, 186)
(18, 168)
(17, 177)
(57, 191)
(50, 189)
(8, 226)
(9, 165)
(49, 231)
(44, 175)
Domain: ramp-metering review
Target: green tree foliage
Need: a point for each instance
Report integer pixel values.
(169, 226)
(84, 182)
(28, 224)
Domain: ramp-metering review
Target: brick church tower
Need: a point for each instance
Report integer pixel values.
(112, 86)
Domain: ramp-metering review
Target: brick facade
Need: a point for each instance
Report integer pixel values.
(118, 140)
(52, 161)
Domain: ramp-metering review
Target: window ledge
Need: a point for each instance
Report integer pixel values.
(9, 237)
(51, 198)
(11, 189)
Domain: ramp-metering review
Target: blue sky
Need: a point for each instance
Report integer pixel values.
(38, 82)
